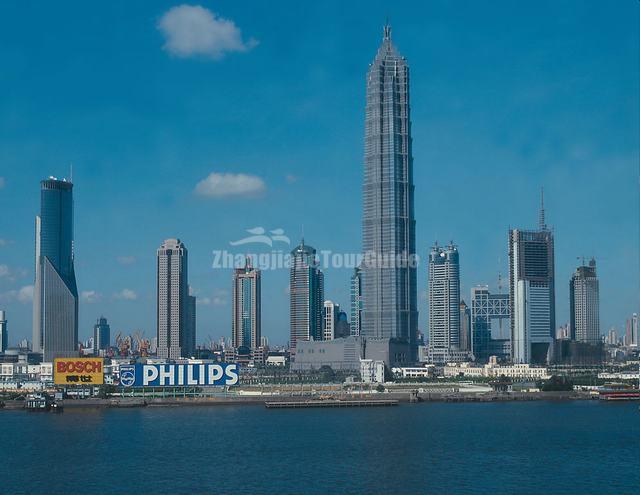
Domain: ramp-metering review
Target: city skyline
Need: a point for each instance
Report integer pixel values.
(119, 285)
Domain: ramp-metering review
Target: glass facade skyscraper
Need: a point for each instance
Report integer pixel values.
(55, 301)
(388, 224)
(487, 308)
(584, 304)
(176, 337)
(356, 302)
(444, 302)
(531, 293)
(246, 310)
(101, 336)
(306, 286)
(4, 338)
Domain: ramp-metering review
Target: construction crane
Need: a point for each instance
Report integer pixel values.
(123, 343)
(142, 343)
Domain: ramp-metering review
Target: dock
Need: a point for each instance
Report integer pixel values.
(302, 404)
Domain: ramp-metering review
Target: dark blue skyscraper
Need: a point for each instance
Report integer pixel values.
(55, 302)
(388, 223)
(306, 285)
(101, 336)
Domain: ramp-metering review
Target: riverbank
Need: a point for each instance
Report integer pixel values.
(259, 400)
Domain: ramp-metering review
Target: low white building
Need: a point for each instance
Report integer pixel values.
(514, 371)
(414, 372)
(371, 371)
(276, 361)
(18, 375)
(622, 375)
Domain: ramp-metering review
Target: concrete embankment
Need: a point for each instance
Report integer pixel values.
(131, 402)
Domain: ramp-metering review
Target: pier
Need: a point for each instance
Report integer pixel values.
(299, 404)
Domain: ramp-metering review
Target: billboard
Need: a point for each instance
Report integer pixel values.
(78, 371)
(178, 375)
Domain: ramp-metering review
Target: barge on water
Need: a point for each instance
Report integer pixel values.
(619, 395)
(304, 404)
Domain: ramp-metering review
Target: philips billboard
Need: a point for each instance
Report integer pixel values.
(178, 375)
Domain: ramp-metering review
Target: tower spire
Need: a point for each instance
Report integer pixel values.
(387, 30)
(541, 221)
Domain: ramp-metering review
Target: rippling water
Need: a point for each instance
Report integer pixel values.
(519, 447)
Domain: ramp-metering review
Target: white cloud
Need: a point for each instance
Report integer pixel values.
(4, 242)
(11, 274)
(2, 182)
(229, 185)
(23, 295)
(126, 260)
(290, 178)
(126, 295)
(219, 298)
(89, 296)
(192, 30)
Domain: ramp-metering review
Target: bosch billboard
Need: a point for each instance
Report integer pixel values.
(178, 375)
(78, 371)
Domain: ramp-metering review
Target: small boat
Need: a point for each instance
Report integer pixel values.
(38, 403)
(42, 402)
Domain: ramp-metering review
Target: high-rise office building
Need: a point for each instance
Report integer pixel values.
(343, 329)
(584, 303)
(306, 286)
(101, 336)
(389, 293)
(4, 337)
(356, 302)
(190, 338)
(174, 339)
(531, 293)
(487, 308)
(246, 310)
(465, 327)
(330, 314)
(444, 302)
(55, 297)
(632, 326)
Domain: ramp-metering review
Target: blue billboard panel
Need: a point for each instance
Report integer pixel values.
(178, 375)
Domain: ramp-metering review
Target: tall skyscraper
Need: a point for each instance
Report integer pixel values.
(465, 327)
(343, 328)
(356, 302)
(634, 325)
(531, 292)
(4, 337)
(388, 222)
(190, 338)
(55, 296)
(330, 314)
(584, 304)
(306, 285)
(174, 339)
(444, 302)
(246, 310)
(101, 336)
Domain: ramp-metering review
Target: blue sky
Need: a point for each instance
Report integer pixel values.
(506, 97)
